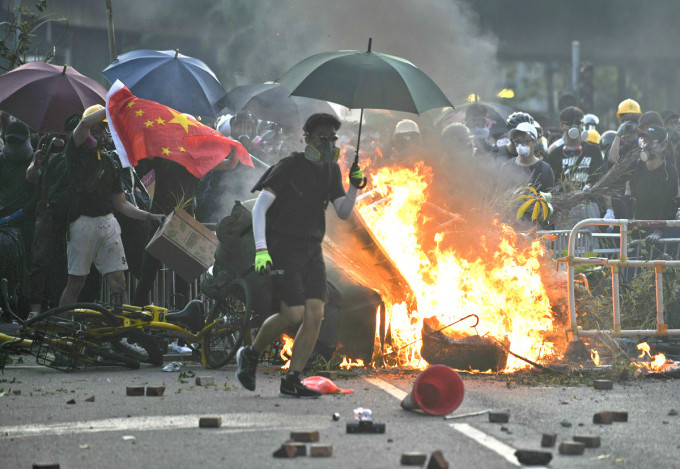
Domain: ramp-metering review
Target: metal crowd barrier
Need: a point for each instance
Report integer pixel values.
(622, 260)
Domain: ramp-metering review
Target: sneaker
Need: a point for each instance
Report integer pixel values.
(177, 348)
(246, 358)
(291, 386)
(133, 347)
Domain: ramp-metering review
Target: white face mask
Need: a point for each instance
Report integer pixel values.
(523, 150)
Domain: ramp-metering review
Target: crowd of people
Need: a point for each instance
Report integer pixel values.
(69, 212)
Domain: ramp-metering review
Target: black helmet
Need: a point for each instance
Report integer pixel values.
(606, 140)
(243, 116)
(516, 117)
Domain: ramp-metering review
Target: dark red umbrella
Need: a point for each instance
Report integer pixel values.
(44, 95)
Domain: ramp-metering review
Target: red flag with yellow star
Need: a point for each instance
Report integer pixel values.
(146, 129)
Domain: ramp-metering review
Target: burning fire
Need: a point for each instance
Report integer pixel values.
(658, 362)
(286, 351)
(347, 364)
(500, 282)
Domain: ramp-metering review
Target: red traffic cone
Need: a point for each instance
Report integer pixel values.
(438, 390)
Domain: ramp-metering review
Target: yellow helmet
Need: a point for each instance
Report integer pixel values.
(593, 137)
(628, 106)
(93, 108)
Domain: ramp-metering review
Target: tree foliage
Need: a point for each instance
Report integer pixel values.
(18, 34)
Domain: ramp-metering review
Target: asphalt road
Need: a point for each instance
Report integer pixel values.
(115, 431)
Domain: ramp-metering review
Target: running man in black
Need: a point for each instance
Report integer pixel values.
(289, 225)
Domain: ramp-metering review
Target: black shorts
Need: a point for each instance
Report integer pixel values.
(304, 272)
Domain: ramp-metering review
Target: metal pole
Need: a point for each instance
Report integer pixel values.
(575, 66)
(112, 37)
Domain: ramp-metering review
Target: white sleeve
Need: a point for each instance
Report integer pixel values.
(262, 204)
(344, 205)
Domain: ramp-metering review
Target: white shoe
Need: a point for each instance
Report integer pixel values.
(176, 348)
(134, 347)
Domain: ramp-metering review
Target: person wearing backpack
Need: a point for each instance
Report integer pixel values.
(288, 228)
(93, 232)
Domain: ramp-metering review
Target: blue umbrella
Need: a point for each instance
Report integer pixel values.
(183, 83)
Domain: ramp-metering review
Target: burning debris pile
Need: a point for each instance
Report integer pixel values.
(458, 266)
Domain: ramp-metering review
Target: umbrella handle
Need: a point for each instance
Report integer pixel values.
(356, 165)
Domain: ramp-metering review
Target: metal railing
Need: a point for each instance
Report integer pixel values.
(623, 260)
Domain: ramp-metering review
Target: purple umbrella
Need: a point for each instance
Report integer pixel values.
(44, 96)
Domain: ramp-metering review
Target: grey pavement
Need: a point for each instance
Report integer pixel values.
(116, 431)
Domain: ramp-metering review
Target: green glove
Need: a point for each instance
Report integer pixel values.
(263, 262)
(356, 177)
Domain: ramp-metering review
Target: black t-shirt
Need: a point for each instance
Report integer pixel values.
(540, 174)
(303, 190)
(588, 157)
(15, 191)
(173, 184)
(94, 178)
(654, 191)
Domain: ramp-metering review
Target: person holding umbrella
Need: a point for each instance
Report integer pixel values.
(289, 225)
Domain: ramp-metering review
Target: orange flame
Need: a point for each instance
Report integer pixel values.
(658, 362)
(286, 351)
(595, 357)
(492, 278)
(348, 363)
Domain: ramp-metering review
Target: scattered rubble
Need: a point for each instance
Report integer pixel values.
(499, 417)
(205, 381)
(437, 461)
(210, 422)
(155, 390)
(548, 440)
(134, 391)
(305, 437)
(321, 450)
(571, 448)
(413, 459)
(591, 441)
(533, 457)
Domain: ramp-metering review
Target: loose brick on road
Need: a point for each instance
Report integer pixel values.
(571, 447)
(603, 384)
(300, 448)
(305, 437)
(328, 374)
(155, 390)
(591, 441)
(319, 450)
(134, 391)
(531, 457)
(437, 461)
(548, 440)
(210, 422)
(499, 417)
(285, 452)
(413, 459)
(45, 465)
(205, 381)
(604, 418)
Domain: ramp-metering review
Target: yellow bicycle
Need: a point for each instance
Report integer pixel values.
(83, 334)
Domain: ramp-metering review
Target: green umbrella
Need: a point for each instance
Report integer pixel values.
(364, 79)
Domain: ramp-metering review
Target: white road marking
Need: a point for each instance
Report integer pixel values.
(388, 388)
(230, 423)
(500, 448)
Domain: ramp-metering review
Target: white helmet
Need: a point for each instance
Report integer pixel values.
(406, 126)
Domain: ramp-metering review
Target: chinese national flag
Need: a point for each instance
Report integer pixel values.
(146, 129)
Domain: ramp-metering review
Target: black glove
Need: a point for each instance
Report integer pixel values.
(627, 128)
(356, 177)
